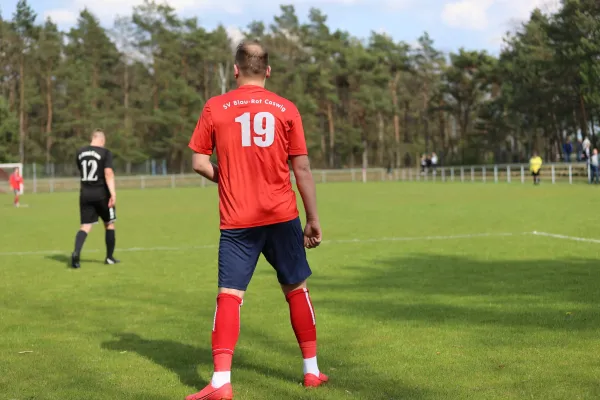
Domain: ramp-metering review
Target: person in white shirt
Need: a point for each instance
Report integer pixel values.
(434, 161)
(586, 143)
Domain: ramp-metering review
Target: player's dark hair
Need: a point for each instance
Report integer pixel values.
(252, 58)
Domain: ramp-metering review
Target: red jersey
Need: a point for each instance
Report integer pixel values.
(254, 132)
(16, 181)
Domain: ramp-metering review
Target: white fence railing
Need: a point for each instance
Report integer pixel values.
(511, 173)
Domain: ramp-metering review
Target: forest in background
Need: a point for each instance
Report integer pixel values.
(365, 101)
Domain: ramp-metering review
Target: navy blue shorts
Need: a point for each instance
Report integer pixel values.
(282, 245)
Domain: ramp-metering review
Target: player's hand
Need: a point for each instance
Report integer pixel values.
(112, 201)
(312, 234)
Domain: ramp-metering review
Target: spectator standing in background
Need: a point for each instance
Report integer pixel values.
(579, 150)
(434, 162)
(427, 164)
(586, 144)
(586, 157)
(568, 149)
(586, 151)
(535, 164)
(594, 167)
(423, 164)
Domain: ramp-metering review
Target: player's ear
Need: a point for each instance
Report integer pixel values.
(236, 71)
(268, 74)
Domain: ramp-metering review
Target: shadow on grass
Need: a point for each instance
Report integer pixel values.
(184, 360)
(447, 289)
(66, 259)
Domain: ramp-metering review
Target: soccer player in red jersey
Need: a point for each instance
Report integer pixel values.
(255, 132)
(16, 181)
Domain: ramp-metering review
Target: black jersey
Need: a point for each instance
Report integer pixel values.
(91, 161)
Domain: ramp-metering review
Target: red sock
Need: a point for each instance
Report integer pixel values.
(17, 199)
(302, 315)
(226, 330)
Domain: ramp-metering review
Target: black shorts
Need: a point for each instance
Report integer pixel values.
(91, 209)
(535, 173)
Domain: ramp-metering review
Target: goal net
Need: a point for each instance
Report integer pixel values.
(6, 171)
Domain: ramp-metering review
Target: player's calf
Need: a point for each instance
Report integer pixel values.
(225, 334)
(80, 238)
(110, 239)
(302, 316)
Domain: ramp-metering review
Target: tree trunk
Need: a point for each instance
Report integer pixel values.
(464, 125)
(584, 119)
(425, 120)
(442, 122)
(78, 126)
(49, 117)
(206, 89)
(407, 138)
(323, 139)
(393, 88)
(95, 88)
(381, 137)
(13, 95)
(425, 117)
(155, 88)
(365, 154)
(22, 109)
(331, 136)
(127, 117)
(223, 75)
(126, 94)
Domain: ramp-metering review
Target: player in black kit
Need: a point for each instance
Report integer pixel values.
(97, 197)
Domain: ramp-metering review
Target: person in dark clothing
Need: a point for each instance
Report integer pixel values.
(568, 149)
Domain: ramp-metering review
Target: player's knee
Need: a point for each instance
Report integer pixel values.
(110, 226)
(86, 228)
(234, 292)
(290, 288)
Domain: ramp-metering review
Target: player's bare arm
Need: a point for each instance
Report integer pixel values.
(308, 192)
(110, 183)
(203, 166)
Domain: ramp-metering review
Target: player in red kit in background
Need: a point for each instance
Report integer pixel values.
(16, 181)
(255, 132)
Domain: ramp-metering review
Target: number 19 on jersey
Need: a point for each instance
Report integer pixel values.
(263, 128)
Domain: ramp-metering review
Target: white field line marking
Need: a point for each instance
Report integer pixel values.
(565, 237)
(410, 239)
(339, 241)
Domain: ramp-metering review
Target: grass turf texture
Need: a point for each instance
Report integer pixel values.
(470, 318)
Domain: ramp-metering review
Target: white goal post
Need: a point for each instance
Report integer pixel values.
(5, 171)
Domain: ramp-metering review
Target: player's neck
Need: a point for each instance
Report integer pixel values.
(96, 144)
(251, 82)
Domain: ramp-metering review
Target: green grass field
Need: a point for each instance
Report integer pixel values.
(458, 316)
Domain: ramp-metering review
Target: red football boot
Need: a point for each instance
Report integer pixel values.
(225, 392)
(311, 380)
